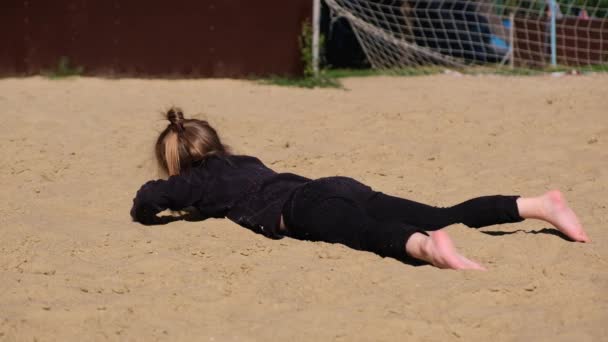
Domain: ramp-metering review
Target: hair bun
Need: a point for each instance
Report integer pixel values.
(175, 116)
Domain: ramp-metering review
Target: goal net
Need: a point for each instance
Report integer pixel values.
(404, 33)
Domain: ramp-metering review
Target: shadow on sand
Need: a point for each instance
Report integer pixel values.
(548, 231)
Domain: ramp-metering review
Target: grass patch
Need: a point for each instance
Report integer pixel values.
(593, 68)
(310, 78)
(303, 82)
(521, 71)
(64, 69)
(412, 71)
(330, 78)
(501, 70)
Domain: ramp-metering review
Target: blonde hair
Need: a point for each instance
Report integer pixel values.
(185, 142)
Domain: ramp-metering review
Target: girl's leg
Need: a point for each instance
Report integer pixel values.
(341, 220)
(476, 212)
(480, 212)
(553, 208)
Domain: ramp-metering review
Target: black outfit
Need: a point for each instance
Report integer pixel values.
(340, 209)
(239, 188)
(333, 209)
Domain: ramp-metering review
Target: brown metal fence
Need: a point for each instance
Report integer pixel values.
(153, 38)
(579, 42)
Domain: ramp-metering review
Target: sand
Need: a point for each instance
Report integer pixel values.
(73, 267)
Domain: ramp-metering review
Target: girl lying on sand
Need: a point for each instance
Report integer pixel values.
(204, 175)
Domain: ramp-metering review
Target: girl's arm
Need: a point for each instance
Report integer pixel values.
(176, 193)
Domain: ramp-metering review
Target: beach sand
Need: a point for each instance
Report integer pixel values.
(73, 267)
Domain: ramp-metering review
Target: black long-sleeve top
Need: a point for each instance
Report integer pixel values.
(240, 188)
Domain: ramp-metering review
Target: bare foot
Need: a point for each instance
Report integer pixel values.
(557, 212)
(552, 207)
(439, 251)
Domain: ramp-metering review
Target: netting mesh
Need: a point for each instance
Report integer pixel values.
(402, 33)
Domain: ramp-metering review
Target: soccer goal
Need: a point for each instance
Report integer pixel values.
(523, 33)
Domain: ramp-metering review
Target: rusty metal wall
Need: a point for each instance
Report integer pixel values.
(530, 48)
(582, 41)
(153, 38)
(579, 42)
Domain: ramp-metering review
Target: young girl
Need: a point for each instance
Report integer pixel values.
(204, 175)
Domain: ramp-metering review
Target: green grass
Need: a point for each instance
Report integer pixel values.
(330, 78)
(501, 70)
(64, 69)
(412, 71)
(303, 82)
(520, 71)
(593, 68)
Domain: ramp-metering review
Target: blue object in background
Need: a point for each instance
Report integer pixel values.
(499, 44)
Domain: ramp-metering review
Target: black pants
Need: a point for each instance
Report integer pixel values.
(342, 210)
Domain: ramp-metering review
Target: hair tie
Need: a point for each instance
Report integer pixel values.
(178, 126)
